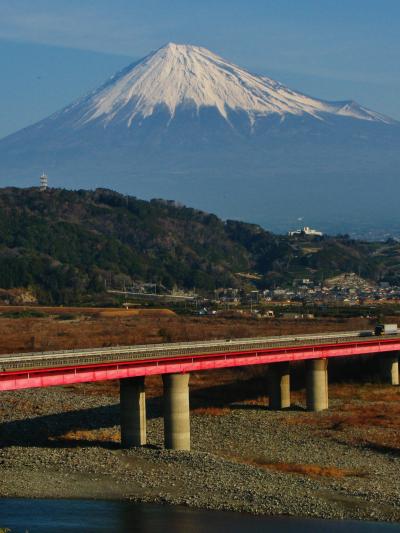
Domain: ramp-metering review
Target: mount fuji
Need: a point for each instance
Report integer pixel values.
(185, 124)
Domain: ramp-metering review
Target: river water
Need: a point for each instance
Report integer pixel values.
(85, 516)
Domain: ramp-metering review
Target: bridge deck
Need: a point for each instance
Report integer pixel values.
(32, 360)
(63, 367)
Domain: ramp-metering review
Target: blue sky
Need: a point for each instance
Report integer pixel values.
(52, 51)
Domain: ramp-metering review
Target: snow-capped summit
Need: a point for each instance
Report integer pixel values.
(184, 75)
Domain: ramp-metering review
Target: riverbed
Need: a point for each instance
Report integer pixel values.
(63, 443)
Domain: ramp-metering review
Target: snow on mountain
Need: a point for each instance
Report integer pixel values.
(184, 75)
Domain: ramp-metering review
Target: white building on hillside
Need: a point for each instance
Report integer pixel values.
(306, 231)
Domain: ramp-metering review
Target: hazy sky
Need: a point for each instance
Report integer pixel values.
(52, 51)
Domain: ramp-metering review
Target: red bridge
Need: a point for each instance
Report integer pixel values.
(175, 361)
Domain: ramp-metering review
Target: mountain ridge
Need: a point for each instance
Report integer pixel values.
(65, 244)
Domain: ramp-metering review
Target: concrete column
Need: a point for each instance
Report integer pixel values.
(133, 412)
(390, 368)
(176, 411)
(317, 384)
(279, 385)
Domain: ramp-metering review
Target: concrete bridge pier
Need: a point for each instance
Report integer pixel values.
(133, 412)
(176, 411)
(279, 385)
(317, 384)
(389, 364)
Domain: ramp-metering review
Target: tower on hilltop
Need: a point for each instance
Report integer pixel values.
(44, 182)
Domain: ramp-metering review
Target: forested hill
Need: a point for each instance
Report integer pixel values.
(64, 245)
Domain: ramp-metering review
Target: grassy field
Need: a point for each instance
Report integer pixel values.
(48, 328)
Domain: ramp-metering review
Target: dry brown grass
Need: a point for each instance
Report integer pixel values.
(366, 415)
(88, 311)
(369, 392)
(106, 327)
(112, 313)
(363, 406)
(260, 401)
(374, 415)
(212, 411)
(310, 470)
(95, 435)
(297, 396)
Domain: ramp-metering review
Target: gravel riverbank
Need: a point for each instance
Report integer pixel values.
(62, 443)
